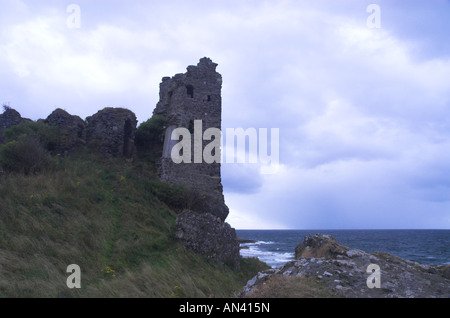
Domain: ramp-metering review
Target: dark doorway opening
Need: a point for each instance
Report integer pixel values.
(190, 91)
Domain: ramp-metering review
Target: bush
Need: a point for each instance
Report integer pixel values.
(24, 155)
(46, 135)
(149, 134)
(26, 147)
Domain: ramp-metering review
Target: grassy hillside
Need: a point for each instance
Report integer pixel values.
(113, 218)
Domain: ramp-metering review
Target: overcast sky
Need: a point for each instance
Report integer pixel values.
(363, 112)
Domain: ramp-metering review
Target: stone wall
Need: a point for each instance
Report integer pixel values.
(72, 130)
(113, 131)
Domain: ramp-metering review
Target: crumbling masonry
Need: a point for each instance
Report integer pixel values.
(185, 98)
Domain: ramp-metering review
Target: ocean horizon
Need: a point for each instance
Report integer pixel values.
(276, 247)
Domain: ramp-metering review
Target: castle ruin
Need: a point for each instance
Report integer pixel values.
(184, 99)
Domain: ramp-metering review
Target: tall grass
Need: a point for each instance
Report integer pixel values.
(103, 216)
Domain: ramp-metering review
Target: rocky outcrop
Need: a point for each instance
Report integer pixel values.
(112, 132)
(319, 245)
(346, 272)
(206, 234)
(72, 130)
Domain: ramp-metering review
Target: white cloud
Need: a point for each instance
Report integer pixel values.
(59, 67)
(243, 220)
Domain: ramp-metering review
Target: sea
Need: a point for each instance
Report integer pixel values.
(276, 247)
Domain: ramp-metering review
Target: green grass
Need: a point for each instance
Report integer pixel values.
(105, 216)
(279, 286)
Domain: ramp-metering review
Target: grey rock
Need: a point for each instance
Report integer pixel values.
(320, 245)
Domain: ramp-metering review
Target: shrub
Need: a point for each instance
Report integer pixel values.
(26, 147)
(46, 135)
(149, 134)
(24, 155)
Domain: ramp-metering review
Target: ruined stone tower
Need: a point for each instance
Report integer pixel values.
(184, 99)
